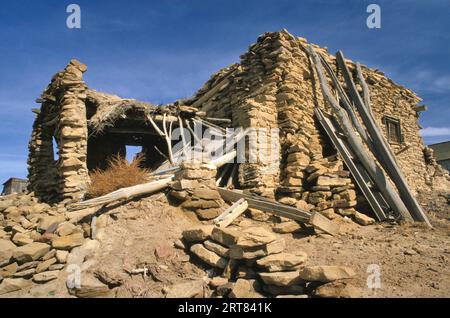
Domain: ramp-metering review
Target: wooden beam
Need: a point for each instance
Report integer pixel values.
(357, 146)
(383, 151)
(420, 108)
(230, 214)
(266, 205)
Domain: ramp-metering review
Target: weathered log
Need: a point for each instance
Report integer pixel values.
(382, 148)
(230, 214)
(257, 202)
(124, 194)
(355, 143)
(347, 104)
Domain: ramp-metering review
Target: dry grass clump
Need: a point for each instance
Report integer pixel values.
(119, 174)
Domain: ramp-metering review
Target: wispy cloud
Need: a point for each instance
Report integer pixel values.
(435, 131)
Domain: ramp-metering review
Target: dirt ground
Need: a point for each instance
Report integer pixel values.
(413, 260)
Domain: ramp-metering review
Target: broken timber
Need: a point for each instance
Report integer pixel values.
(257, 202)
(356, 144)
(230, 214)
(381, 146)
(358, 172)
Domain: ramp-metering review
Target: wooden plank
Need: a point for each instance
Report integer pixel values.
(266, 205)
(230, 214)
(357, 146)
(383, 151)
(361, 180)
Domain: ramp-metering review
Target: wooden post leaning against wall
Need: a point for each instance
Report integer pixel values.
(381, 146)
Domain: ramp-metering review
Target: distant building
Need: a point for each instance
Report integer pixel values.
(14, 185)
(442, 153)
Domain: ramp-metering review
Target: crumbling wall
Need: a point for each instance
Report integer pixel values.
(62, 117)
(274, 86)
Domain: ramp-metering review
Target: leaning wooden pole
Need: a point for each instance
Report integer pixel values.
(356, 144)
(381, 146)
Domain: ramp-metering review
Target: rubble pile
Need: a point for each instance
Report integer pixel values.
(195, 187)
(251, 262)
(36, 241)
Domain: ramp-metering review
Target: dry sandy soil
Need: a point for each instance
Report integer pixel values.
(413, 260)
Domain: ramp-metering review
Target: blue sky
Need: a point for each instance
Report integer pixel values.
(159, 51)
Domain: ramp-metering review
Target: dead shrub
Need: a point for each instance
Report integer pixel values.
(119, 174)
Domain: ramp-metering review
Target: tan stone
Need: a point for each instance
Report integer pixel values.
(333, 182)
(217, 248)
(281, 278)
(13, 284)
(206, 194)
(326, 274)
(198, 233)
(68, 242)
(21, 239)
(287, 227)
(363, 219)
(191, 289)
(244, 289)
(208, 214)
(6, 251)
(46, 276)
(288, 201)
(9, 270)
(239, 252)
(255, 236)
(282, 261)
(208, 256)
(225, 236)
(43, 266)
(30, 252)
(61, 256)
(338, 289)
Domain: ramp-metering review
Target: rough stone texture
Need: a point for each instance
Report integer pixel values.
(225, 236)
(13, 284)
(326, 274)
(30, 252)
(244, 289)
(68, 242)
(193, 289)
(287, 227)
(239, 252)
(46, 276)
(363, 219)
(255, 236)
(217, 248)
(6, 251)
(208, 256)
(90, 287)
(281, 278)
(62, 117)
(198, 234)
(282, 262)
(338, 289)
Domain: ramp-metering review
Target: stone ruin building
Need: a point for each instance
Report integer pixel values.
(273, 86)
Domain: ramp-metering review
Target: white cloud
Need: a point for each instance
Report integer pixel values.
(435, 131)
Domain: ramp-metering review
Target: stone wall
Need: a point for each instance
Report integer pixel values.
(61, 120)
(273, 86)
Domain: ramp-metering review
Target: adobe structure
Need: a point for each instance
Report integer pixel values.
(273, 86)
